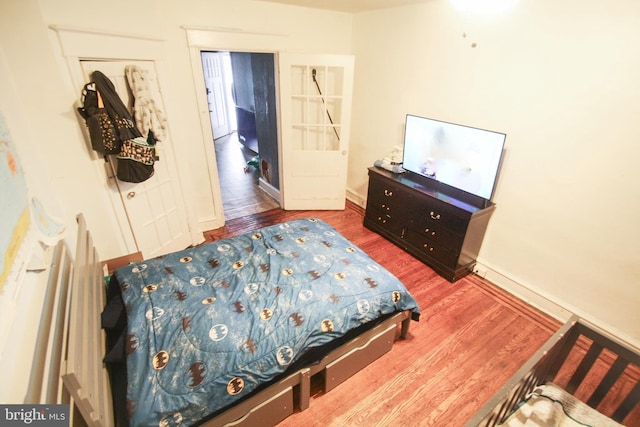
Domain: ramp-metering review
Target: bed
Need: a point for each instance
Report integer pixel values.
(580, 376)
(182, 314)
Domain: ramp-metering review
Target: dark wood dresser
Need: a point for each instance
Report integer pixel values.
(442, 227)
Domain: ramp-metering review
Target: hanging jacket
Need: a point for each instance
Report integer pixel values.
(117, 111)
(147, 112)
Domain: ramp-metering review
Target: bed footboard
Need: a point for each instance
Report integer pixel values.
(578, 358)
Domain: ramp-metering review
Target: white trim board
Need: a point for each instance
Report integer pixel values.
(546, 303)
(354, 196)
(272, 191)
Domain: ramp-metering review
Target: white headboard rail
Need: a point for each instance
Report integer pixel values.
(67, 365)
(85, 376)
(45, 385)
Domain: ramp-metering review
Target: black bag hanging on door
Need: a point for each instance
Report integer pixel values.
(136, 157)
(135, 161)
(102, 132)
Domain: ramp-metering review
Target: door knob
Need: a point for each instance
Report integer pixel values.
(131, 194)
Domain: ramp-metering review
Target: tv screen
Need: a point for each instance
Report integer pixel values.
(463, 157)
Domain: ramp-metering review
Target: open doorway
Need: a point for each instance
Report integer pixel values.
(242, 109)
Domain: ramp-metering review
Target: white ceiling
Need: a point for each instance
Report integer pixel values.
(352, 6)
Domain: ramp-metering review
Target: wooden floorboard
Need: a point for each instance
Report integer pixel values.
(241, 193)
(472, 336)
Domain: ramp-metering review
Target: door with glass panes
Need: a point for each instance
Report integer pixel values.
(315, 111)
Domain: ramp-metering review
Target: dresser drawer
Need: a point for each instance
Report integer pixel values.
(386, 196)
(435, 250)
(430, 216)
(391, 221)
(433, 231)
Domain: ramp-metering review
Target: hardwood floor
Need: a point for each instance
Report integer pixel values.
(471, 338)
(240, 192)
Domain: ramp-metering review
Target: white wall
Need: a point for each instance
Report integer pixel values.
(561, 79)
(43, 80)
(46, 105)
(33, 68)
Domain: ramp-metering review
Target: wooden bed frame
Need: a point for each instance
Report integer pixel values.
(71, 345)
(588, 363)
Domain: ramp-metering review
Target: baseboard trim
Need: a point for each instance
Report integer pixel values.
(544, 303)
(354, 197)
(270, 190)
(560, 310)
(206, 224)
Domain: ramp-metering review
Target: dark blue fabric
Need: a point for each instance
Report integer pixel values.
(208, 325)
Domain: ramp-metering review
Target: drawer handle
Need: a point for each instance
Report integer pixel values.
(388, 193)
(434, 215)
(430, 248)
(428, 231)
(382, 220)
(385, 207)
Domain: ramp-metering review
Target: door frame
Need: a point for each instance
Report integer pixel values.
(221, 39)
(77, 45)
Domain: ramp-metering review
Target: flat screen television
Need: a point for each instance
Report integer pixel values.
(462, 157)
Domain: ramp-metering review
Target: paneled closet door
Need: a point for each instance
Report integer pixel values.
(155, 207)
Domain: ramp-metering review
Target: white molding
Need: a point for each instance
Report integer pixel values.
(74, 48)
(549, 304)
(209, 223)
(272, 191)
(356, 198)
(544, 303)
(96, 44)
(233, 39)
(216, 220)
(226, 39)
(83, 30)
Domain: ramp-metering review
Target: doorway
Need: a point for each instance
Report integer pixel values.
(241, 94)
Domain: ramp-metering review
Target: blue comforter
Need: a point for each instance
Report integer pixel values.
(208, 325)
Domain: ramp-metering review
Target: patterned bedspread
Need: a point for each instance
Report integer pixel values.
(208, 325)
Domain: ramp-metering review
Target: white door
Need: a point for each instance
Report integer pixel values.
(155, 207)
(214, 82)
(315, 113)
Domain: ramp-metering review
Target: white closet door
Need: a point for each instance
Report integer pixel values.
(155, 207)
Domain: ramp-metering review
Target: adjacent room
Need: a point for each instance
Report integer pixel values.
(427, 210)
